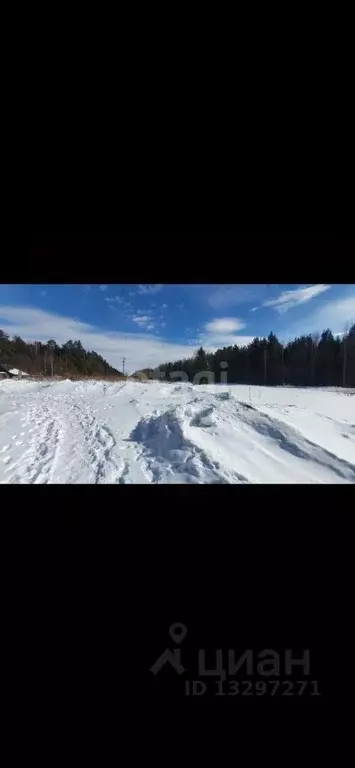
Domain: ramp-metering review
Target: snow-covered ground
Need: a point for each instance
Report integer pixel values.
(130, 432)
(17, 372)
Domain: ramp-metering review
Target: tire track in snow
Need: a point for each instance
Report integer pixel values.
(106, 469)
(37, 463)
(88, 445)
(96, 442)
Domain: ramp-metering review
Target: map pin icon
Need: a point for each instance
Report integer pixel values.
(177, 631)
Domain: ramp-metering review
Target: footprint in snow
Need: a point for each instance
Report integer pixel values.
(5, 448)
(6, 459)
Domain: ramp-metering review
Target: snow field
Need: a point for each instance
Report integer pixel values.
(129, 432)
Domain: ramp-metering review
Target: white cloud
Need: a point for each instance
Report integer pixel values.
(289, 299)
(144, 321)
(221, 332)
(140, 350)
(150, 288)
(333, 314)
(223, 296)
(211, 342)
(103, 287)
(225, 325)
(141, 319)
(43, 293)
(164, 306)
(116, 299)
(253, 309)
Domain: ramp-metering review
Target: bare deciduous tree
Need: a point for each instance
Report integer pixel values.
(345, 339)
(315, 342)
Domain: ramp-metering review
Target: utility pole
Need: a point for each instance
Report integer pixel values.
(123, 364)
(345, 338)
(344, 360)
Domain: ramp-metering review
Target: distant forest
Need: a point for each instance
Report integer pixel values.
(50, 359)
(314, 360)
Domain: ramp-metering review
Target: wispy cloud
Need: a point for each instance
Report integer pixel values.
(223, 296)
(164, 306)
(150, 288)
(103, 287)
(289, 299)
(43, 293)
(118, 300)
(113, 299)
(144, 321)
(335, 314)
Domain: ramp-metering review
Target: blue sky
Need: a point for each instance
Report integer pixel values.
(151, 324)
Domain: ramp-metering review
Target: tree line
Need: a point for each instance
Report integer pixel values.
(312, 361)
(51, 359)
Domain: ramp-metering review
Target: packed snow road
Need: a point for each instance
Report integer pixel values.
(129, 432)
